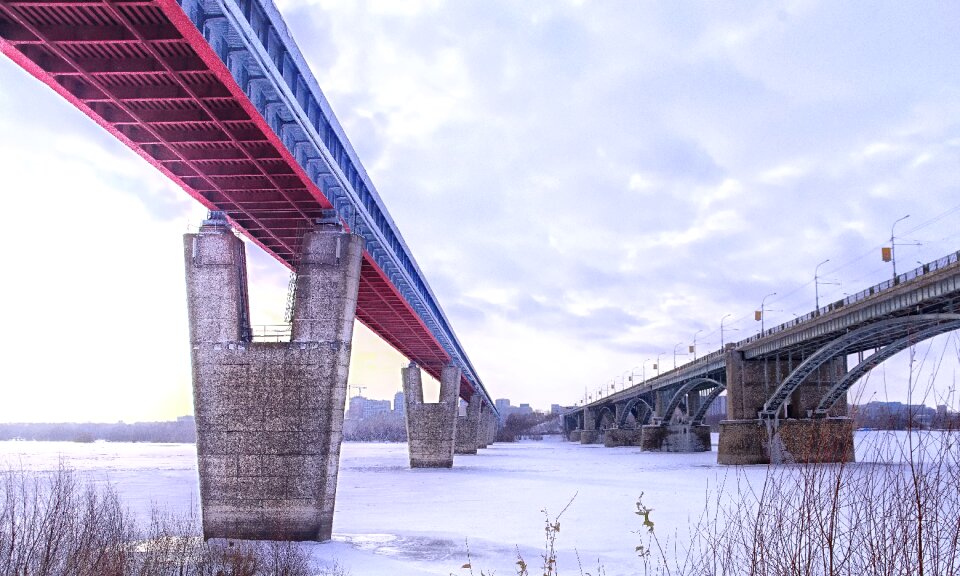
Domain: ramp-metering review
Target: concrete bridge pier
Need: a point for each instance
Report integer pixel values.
(675, 438)
(615, 437)
(468, 427)
(483, 436)
(431, 427)
(269, 415)
(491, 425)
(589, 434)
(793, 436)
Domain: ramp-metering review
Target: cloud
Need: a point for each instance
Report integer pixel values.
(585, 184)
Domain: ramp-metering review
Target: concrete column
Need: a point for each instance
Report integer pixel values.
(269, 415)
(483, 426)
(792, 437)
(589, 434)
(431, 428)
(468, 427)
(492, 426)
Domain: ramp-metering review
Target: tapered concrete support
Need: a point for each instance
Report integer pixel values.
(269, 415)
(483, 435)
(431, 428)
(468, 428)
(489, 428)
(675, 438)
(622, 437)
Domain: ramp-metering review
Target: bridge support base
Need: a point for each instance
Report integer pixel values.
(813, 440)
(589, 437)
(745, 442)
(622, 437)
(574, 436)
(431, 428)
(675, 438)
(468, 428)
(269, 415)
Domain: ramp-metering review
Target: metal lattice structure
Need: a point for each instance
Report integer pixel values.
(217, 96)
(689, 386)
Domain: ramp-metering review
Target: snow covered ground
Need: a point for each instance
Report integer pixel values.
(394, 520)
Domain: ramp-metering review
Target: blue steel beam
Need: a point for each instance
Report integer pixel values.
(252, 40)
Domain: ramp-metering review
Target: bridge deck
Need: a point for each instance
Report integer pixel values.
(165, 79)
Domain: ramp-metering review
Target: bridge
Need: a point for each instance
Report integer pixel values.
(217, 96)
(786, 387)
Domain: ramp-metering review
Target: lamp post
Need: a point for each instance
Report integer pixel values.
(762, 309)
(657, 364)
(694, 347)
(721, 329)
(643, 370)
(632, 372)
(816, 283)
(675, 354)
(893, 246)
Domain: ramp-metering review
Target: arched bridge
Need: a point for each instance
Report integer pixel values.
(786, 388)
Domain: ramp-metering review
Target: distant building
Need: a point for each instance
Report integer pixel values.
(399, 404)
(523, 409)
(556, 409)
(361, 407)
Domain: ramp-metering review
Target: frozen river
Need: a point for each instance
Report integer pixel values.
(394, 520)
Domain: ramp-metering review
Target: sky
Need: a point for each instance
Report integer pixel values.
(587, 186)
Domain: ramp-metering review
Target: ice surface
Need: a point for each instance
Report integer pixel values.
(391, 519)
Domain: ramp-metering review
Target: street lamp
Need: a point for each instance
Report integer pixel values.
(693, 348)
(656, 365)
(760, 314)
(643, 370)
(721, 329)
(675, 354)
(816, 283)
(893, 246)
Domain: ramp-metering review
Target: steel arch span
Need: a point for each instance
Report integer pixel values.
(643, 414)
(929, 324)
(687, 387)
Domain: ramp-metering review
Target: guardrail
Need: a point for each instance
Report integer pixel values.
(271, 332)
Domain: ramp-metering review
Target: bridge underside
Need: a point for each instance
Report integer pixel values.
(142, 71)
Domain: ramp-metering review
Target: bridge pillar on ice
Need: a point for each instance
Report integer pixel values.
(589, 434)
(675, 438)
(468, 427)
(491, 425)
(270, 414)
(431, 428)
(792, 437)
(483, 434)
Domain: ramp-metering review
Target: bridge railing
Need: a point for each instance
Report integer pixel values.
(860, 296)
(271, 332)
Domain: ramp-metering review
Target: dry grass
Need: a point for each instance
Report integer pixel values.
(54, 524)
